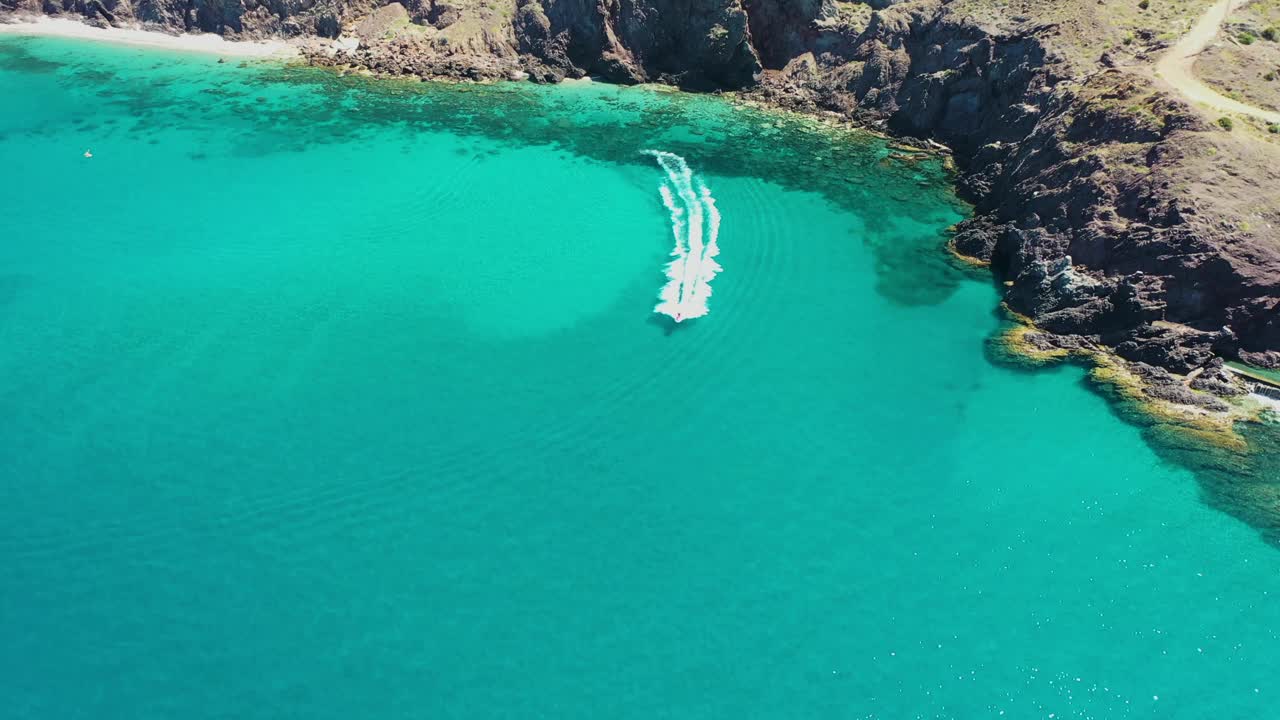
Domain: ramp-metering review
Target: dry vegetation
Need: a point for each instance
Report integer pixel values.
(1085, 29)
(849, 16)
(464, 25)
(1244, 63)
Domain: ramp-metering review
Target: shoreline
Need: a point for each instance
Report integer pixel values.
(205, 43)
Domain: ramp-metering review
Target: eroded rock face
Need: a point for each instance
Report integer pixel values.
(782, 30)
(1217, 380)
(1081, 187)
(695, 43)
(1160, 384)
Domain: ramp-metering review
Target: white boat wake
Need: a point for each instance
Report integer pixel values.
(695, 222)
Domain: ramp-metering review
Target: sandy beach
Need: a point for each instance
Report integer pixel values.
(203, 43)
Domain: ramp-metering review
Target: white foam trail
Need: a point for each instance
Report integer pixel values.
(695, 223)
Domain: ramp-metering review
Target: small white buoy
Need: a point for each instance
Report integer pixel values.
(88, 154)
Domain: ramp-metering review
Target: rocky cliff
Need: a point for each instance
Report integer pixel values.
(1116, 216)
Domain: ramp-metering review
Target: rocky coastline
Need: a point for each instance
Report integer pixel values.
(1117, 217)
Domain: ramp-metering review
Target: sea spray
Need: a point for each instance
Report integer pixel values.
(695, 224)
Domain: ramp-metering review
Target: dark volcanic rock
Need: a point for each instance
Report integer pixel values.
(783, 30)
(978, 238)
(1160, 384)
(706, 44)
(1214, 378)
(1266, 359)
(1178, 350)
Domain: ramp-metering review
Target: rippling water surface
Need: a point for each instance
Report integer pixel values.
(327, 398)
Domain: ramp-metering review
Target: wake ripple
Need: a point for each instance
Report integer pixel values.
(695, 223)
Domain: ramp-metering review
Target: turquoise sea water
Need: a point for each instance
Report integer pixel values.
(324, 398)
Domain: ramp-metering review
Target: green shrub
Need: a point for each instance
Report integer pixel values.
(1128, 39)
(1226, 123)
(1246, 38)
(1273, 129)
(1269, 76)
(1272, 33)
(1144, 4)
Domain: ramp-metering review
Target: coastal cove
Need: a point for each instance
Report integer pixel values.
(346, 395)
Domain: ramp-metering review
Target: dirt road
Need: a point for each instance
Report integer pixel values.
(1175, 67)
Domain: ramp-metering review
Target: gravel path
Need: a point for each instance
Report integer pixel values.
(1175, 66)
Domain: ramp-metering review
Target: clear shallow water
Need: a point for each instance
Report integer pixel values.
(331, 399)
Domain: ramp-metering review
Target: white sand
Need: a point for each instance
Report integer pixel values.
(205, 43)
